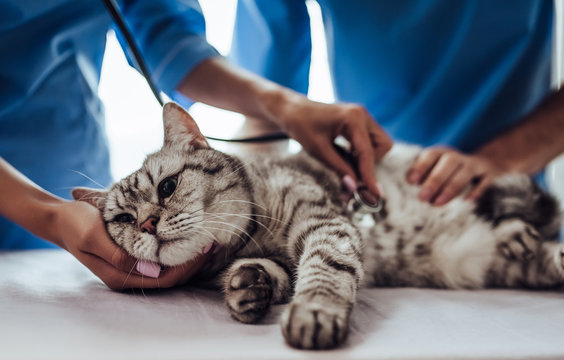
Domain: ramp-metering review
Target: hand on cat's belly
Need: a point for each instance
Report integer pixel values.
(85, 237)
(444, 173)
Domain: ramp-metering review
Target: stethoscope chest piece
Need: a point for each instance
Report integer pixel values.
(368, 204)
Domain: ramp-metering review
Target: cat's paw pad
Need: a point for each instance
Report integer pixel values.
(249, 293)
(519, 241)
(315, 326)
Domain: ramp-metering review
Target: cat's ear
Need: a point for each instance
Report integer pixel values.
(94, 197)
(181, 129)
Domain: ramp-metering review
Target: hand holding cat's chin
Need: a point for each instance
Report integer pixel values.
(83, 234)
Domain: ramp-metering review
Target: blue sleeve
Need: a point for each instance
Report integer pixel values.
(171, 36)
(272, 38)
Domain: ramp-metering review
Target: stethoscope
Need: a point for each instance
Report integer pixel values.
(357, 204)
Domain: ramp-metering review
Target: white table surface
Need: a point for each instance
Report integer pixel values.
(51, 307)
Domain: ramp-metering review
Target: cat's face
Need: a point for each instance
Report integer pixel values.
(184, 197)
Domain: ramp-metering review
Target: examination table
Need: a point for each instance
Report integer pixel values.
(52, 307)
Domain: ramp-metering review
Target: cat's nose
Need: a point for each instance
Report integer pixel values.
(150, 225)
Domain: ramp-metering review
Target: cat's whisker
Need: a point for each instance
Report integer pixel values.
(101, 187)
(240, 201)
(251, 214)
(129, 273)
(238, 228)
(244, 216)
(226, 230)
(244, 164)
(207, 232)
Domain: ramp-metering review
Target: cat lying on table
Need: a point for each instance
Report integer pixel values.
(285, 234)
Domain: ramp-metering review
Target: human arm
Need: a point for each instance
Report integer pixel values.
(315, 125)
(78, 228)
(212, 80)
(527, 147)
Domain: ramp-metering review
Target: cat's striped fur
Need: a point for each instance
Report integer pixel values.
(286, 235)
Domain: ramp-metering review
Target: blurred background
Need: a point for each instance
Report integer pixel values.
(133, 116)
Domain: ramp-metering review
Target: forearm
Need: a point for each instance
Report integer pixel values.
(532, 144)
(26, 204)
(216, 82)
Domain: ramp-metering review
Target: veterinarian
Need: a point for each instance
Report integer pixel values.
(468, 79)
(52, 133)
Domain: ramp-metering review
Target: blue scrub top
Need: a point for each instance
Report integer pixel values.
(431, 72)
(51, 118)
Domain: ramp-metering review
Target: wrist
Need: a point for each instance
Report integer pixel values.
(47, 217)
(276, 103)
(501, 159)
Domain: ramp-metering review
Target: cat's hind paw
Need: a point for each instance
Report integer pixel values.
(517, 240)
(559, 259)
(249, 293)
(310, 325)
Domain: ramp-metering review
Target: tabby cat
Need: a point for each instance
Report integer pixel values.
(285, 234)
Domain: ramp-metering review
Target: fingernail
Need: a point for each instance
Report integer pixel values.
(367, 196)
(208, 248)
(425, 194)
(148, 268)
(413, 177)
(217, 248)
(380, 190)
(441, 200)
(349, 182)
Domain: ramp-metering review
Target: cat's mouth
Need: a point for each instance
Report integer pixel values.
(153, 269)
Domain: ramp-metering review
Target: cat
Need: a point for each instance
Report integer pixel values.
(286, 236)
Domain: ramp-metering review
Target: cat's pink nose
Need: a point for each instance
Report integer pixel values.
(150, 225)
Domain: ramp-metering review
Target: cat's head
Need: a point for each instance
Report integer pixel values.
(183, 198)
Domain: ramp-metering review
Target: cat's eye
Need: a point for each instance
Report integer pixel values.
(167, 186)
(124, 218)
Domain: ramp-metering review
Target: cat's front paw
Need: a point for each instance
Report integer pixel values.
(517, 240)
(249, 293)
(310, 325)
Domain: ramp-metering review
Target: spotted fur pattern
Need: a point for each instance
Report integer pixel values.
(286, 235)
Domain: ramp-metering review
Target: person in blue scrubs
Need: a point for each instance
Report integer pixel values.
(468, 79)
(52, 133)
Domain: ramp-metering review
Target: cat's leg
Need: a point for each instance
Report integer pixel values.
(546, 270)
(328, 253)
(252, 285)
(517, 240)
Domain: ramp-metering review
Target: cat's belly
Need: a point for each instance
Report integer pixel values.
(425, 246)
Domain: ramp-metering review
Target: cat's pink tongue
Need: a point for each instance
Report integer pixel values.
(148, 268)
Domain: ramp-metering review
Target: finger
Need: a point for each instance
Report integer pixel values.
(438, 177)
(423, 165)
(113, 278)
(106, 249)
(484, 183)
(120, 280)
(327, 154)
(454, 185)
(362, 146)
(381, 142)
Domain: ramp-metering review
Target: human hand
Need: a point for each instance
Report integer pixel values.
(444, 173)
(316, 125)
(83, 234)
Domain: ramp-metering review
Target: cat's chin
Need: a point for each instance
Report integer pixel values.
(181, 252)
